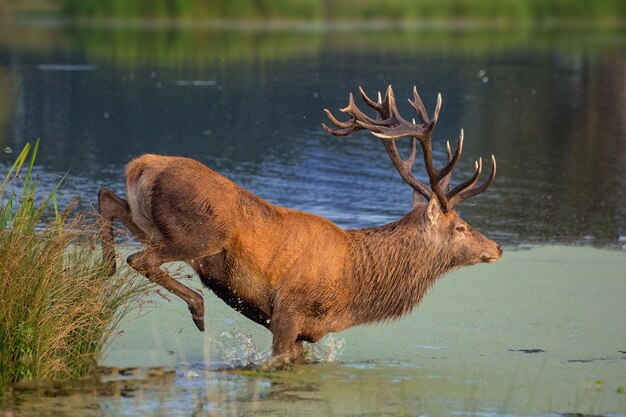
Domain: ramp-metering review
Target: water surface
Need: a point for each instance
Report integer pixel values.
(548, 103)
(539, 333)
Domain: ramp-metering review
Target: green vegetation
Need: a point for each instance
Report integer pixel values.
(202, 48)
(350, 9)
(407, 10)
(57, 305)
(234, 9)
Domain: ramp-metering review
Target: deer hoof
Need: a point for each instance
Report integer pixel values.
(197, 314)
(199, 321)
(277, 363)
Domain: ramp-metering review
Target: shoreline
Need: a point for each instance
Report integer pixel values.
(298, 25)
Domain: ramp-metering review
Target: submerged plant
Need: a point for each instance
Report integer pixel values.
(58, 307)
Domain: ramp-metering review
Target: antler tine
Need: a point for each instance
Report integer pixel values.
(436, 114)
(418, 197)
(390, 102)
(345, 128)
(468, 184)
(418, 105)
(412, 152)
(445, 182)
(404, 166)
(338, 123)
(435, 176)
(452, 160)
(391, 124)
(358, 119)
(355, 112)
(376, 106)
(470, 191)
(392, 109)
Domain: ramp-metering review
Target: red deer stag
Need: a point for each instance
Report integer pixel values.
(296, 273)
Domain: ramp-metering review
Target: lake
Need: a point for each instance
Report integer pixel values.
(540, 332)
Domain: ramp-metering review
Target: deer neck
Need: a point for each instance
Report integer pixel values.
(392, 268)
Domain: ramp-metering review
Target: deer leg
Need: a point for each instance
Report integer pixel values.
(111, 207)
(148, 263)
(297, 352)
(285, 328)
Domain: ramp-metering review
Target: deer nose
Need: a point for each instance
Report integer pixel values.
(500, 250)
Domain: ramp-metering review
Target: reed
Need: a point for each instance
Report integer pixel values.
(58, 307)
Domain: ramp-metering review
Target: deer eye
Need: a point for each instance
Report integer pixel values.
(460, 229)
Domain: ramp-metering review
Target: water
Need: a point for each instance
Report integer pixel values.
(548, 103)
(540, 333)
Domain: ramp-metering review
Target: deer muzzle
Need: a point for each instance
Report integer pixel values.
(492, 256)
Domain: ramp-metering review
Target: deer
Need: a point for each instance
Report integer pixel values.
(298, 274)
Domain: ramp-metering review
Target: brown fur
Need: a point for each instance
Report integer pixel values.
(296, 273)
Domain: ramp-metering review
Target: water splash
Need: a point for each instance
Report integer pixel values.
(238, 349)
(329, 349)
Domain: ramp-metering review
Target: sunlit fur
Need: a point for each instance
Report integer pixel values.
(295, 273)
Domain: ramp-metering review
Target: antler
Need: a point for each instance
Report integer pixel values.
(389, 126)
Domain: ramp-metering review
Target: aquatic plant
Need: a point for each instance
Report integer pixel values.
(58, 307)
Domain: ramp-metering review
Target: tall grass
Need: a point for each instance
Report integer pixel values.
(57, 305)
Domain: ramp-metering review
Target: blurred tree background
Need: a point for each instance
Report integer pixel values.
(320, 10)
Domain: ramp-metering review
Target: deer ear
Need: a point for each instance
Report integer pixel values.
(418, 199)
(433, 211)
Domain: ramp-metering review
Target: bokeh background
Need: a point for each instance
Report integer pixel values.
(325, 10)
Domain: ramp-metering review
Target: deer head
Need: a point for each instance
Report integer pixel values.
(440, 222)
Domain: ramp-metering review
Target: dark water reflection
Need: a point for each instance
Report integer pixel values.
(549, 104)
